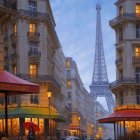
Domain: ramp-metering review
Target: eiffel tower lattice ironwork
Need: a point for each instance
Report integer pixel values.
(100, 84)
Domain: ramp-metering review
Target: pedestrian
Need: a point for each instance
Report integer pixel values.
(31, 134)
(58, 135)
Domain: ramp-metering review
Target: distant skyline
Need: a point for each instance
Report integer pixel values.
(76, 29)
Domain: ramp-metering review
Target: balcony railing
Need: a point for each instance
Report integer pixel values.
(136, 60)
(31, 14)
(39, 78)
(125, 16)
(32, 53)
(33, 36)
(124, 80)
(118, 61)
(11, 4)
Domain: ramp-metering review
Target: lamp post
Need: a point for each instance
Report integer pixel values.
(92, 130)
(79, 125)
(49, 97)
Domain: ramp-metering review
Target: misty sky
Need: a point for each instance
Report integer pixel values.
(76, 29)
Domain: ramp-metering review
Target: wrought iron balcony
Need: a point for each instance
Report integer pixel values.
(124, 80)
(136, 60)
(40, 78)
(33, 36)
(34, 56)
(35, 15)
(118, 61)
(10, 4)
(124, 17)
(13, 38)
(14, 58)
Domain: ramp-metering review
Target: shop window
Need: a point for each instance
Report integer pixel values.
(2, 101)
(68, 65)
(138, 96)
(33, 71)
(15, 126)
(138, 9)
(32, 27)
(69, 84)
(41, 126)
(34, 99)
(137, 30)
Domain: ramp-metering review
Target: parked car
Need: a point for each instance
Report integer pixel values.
(72, 138)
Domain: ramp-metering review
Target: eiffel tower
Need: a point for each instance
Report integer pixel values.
(100, 84)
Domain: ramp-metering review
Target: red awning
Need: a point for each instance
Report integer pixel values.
(9, 82)
(122, 115)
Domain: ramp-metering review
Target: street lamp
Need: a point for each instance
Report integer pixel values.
(49, 97)
(92, 130)
(79, 125)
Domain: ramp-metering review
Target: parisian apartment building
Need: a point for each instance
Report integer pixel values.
(80, 102)
(31, 50)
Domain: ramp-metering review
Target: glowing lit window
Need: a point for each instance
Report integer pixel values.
(33, 71)
(69, 84)
(138, 9)
(67, 64)
(41, 126)
(15, 28)
(137, 52)
(32, 27)
(1, 126)
(14, 69)
(15, 126)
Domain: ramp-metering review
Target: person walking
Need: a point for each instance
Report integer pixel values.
(31, 134)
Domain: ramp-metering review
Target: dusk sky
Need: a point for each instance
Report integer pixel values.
(76, 29)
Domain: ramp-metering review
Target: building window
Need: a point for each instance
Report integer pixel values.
(120, 34)
(14, 69)
(33, 47)
(32, 8)
(68, 64)
(2, 101)
(138, 9)
(137, 74)
(69, 106)
(120, 10)
(69, 84)
(137, 52)
(14, 28)
(33, 71)
(32, 27)
(69, 95)
(138, 96)
(137, 30)
(121, 98)
(34, 99)
(13, 99)
(121, 74)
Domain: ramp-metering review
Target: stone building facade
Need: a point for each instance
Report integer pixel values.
(80, 103)
(126, 88)
(33, 52)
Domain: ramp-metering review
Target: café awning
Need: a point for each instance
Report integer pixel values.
(32, 112)
(122, 115)
(11, 83)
